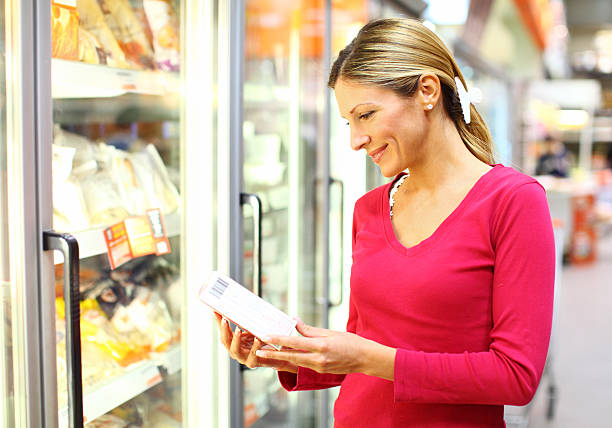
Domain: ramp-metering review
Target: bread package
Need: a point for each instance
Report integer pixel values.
(92, 20)
(129, 32)
(64, 30)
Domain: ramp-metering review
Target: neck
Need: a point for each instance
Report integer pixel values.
(445, 159)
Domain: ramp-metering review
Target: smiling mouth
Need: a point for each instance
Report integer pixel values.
(377, 154)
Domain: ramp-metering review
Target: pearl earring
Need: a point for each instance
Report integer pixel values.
(429, 106)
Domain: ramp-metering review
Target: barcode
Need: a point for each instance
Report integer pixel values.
(218, 288)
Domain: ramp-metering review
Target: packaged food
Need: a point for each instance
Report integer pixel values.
(107, 421)
(92, 20)
(64, 30)
(129, 32)
(149, 316)
(90, 49)
(164, 24)
(153, 177)
(131, 191)
(96, 329)
(69, 212)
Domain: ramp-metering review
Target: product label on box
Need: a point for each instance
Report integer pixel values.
(136, 237)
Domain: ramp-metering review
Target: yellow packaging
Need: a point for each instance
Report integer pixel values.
(64, 30)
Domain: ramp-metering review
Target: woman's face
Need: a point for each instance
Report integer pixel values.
(390, 128)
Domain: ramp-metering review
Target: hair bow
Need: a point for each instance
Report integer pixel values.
(467, 97)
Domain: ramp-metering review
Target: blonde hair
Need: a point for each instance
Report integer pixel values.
(393, 53)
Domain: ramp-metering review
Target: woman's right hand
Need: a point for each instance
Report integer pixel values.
(242, 346)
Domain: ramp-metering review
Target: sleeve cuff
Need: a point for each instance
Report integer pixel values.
(408, 375)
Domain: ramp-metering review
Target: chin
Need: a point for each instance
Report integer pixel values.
(389, 172)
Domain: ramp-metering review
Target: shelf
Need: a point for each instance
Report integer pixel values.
(72, 79)
(170, 360)
(138, 378)
(91, 242)
(104, 398)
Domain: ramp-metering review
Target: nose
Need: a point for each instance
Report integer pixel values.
(358, 140)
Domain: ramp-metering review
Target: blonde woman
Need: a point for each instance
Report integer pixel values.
(453, 263)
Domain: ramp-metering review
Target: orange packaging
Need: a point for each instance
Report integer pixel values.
(136, 236)
(64, 30)
(583, 243)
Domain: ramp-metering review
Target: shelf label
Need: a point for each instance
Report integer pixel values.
(136, 236)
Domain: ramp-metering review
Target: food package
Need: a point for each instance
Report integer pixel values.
(107, 421)
(68, 209)
(153, 177)
(131, 191)
(64, 30)
(92, 20)
(90, 49)
(164, 24)
(148, 315)
(129, 32)
(97, 365)
(96, 329)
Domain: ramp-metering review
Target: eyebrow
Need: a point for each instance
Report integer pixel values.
(361, 104)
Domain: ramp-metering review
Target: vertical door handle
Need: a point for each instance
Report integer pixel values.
(255, 203)
(340, 184)
(69, 246)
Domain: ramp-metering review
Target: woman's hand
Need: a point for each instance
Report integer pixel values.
(329, 351)
(242, 346)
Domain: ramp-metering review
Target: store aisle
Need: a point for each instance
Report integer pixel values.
(582, 349)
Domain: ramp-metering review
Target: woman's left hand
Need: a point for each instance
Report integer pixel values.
(329, 351)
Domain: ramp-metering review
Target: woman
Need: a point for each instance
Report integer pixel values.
(453, 264)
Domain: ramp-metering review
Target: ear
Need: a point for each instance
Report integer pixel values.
(429, 90)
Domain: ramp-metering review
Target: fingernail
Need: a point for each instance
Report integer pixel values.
(260, 353)
(237, 331)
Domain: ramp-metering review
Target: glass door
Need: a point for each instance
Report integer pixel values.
(283, 94)
(116, 80)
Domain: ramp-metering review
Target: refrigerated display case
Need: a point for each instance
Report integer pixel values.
(99, 309)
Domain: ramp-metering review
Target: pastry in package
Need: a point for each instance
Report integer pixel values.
(164, 24)
(64, 30)
(129, 32)
(92, 20)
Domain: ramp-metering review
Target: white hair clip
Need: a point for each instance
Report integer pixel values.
(473, 96)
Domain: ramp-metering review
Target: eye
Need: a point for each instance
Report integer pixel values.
(366, 116)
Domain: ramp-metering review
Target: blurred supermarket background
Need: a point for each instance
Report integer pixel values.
(173, 137)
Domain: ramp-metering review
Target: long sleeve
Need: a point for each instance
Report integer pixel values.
(522, 298)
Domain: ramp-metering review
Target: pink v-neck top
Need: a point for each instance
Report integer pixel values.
(468, 309)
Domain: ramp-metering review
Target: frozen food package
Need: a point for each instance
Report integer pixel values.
(148, 314)
(92, 20)
(153, 177)
(68, 209)
(107, 421)
(64, 30)
(96, 329)
(163, 20)
(102, 200)
(244, 308)
(131, 191)
(90, 49)
(129, 32)
(84, 160)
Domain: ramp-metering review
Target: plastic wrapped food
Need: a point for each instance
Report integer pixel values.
(92, 20)
(153, 177)
(64, 30)
(90, 49)
(129, 32)
(96, 329)
(69, 212)
(164, 24)
(131, 191)
(107, 421)
(148, 315)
